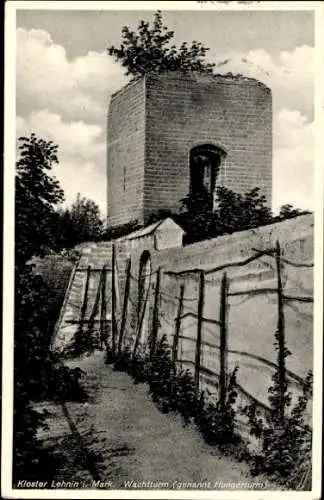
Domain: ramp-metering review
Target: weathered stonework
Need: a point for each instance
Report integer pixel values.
(155, 122)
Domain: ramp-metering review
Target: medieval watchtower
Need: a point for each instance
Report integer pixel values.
(173, 133)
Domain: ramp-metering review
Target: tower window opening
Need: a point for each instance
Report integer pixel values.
(205, 161)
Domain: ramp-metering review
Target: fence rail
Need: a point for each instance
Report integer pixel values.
(156, 297)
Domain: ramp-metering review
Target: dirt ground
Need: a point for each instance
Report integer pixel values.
(140, 446)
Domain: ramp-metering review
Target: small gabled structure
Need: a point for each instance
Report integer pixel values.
(158, 236)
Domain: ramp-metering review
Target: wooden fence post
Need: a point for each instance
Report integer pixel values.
(103, 310)
(85, 300)
(125, 306)
(113, 301)
(177, 326)
(95, 309)
(223, 340)
(280, 336)
(201, 301)
(144, 302)
(155, 319)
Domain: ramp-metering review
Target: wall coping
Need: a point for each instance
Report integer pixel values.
(307, 219)
(287, 231)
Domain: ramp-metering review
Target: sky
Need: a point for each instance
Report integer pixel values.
(65, 79)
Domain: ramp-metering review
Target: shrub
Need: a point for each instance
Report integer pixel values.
(175, 391)
(217, 420)
(123, 361)
(65, 384)
(281, 443)
(137, 366)
(186, 400)
(284, 434)
(162, 376)
(110, 356)
(140, 367)
(37, 374)
(27, 450)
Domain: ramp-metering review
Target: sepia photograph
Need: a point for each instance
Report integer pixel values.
(163, 258)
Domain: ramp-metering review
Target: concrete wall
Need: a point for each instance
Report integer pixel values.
(252, 319)
(154, 122)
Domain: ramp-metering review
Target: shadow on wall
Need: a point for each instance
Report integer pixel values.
(248, 259)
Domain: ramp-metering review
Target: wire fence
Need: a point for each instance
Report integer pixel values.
(194, 313)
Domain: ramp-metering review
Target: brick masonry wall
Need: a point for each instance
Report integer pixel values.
(154, 122)
(184, 111)
(125, 154)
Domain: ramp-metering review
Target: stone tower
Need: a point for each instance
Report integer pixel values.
(169, 135)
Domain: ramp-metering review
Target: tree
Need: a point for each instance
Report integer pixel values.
(288, 212)
(234, 212)
(148, 50)
(81, 222)
(197, 217)
(37, 194)
(35, 374)
(112, 233)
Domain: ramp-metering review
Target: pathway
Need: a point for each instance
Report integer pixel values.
(141, 444)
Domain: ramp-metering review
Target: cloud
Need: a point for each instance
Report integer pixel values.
(76, 89)
(293, 166)
(74, 138)
(81, 153)
(66, 101)
(290, 75)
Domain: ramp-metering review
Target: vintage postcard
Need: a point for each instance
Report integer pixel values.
(163, 260)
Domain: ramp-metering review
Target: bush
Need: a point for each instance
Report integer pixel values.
(217, 420)
(139, 365)
(175, 391)
(65, 384)
(162, 376)
(37, 375)
(110, 356)
(281, 443)
(149, 49)
(186, 400)
(27, 450)
(123, 361)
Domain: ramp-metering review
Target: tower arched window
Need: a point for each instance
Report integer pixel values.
(205, 162)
